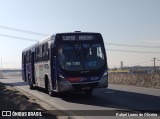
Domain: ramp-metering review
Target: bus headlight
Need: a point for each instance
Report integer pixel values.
(62, 78)
(105, 76)
(104, 80)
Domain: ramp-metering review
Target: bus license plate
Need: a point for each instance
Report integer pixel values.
(85, 88)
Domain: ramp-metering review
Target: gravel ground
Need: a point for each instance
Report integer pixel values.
(140, 80)
(11, 99)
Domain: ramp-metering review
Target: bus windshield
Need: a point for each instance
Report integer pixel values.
(80, 57)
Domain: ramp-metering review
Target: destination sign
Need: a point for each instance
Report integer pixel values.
(69, 37)
(85, 37)
(79, 37)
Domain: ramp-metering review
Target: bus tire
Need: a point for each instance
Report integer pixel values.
(29, 81)
(32, 87)
(50, 92)
(88, 92)
(46, 83)
(48, 87)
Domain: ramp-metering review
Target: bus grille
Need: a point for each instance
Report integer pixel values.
(80, 86)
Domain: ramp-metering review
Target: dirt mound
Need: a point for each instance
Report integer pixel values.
(144, 80)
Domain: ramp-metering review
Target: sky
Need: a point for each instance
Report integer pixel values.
(131, 22)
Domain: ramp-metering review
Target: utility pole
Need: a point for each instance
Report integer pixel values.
(1, 63)
(154, 60)
(154, 64)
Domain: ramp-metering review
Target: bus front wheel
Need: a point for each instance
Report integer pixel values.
(50, 91)
(48, 87)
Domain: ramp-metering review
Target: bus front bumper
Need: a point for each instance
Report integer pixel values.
(67, 86)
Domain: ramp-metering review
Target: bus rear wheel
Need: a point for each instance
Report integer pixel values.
(31, 86)
(88, 91)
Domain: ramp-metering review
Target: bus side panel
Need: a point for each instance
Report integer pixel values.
(24, 67)
(22, 71)
(28, 72)
(42, 69)
(33, 68)
(37, 77)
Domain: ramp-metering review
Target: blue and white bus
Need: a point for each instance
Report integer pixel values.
(73, 61)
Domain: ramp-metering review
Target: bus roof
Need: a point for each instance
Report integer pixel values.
(53, 36)
(32, 46)
(77, 33)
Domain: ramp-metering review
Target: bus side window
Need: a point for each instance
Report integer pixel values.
(45, 54)
(35, 54)
(38, 54)
(22, 58)
(29, 57)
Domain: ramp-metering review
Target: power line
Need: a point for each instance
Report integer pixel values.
(28, 39)
(128, 45)
(23, 31)
(16, 37)
(133, 51)
(42, 34)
